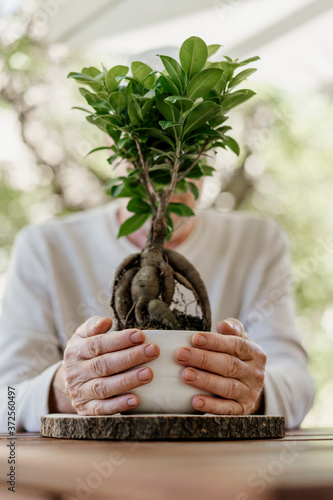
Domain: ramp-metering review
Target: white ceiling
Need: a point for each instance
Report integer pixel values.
(293, 38)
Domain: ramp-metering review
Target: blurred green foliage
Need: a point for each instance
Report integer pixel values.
(284, 172)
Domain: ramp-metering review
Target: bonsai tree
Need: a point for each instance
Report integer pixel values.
(162, 124)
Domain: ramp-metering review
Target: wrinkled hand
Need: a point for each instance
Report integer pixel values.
(228, 365)
(94, 360)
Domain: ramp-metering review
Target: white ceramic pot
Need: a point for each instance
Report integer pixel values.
(167, 392)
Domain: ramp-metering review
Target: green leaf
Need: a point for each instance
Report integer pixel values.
(124, 141)
(161, 178)
(141, 72)
(118, 101)
(112, 182)
(110, 81)
(228, 69)
(161, 166)
(181, 187)
(104, 96)
(193, 55)
(176, 72)
(97, 75)
(180, 209)
(165, 124)
(236, 80)
(81, 109)
(128, 189)
(158, 134)
(181, 104)
(113, 132)
(97, 149)
(148, 105)
(101, 124)
(94, 72)
(170, 114)
(194, 189)
(203, 82)
(248, 61)
(232, 144)
(167, 110)
(134, 111)
(217, 120)
(167, 85)
(233, 99)
(212, 49)
(207, 170)
(81, 77)
(132, 224)
(194, 173)
(138, 206)
(111, 160)
(201, 114)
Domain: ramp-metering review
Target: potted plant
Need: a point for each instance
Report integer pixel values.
(162, 124)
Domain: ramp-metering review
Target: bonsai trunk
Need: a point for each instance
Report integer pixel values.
(145, 284)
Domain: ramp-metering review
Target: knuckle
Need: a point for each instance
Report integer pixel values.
(134, 357)
(232, 366)
(125, 383)
(259, 376)
(118, 341)
(229, 410)
(70, 377)
(243, 409)
(73, 391)
(240, 347)
(98, 389)
(233, 389)
(97, 409)
(93, 347)
(81, 408)
(204, 358)
(263, 357)
(211, 384)
(68, 354)
(98, 366)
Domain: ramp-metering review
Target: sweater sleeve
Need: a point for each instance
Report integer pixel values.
(30, 351)
(268, 317)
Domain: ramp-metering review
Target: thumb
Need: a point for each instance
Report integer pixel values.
(232, 326)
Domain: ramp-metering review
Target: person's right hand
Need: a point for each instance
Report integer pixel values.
(94, 364)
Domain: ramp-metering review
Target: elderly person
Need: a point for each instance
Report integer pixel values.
(59, 352)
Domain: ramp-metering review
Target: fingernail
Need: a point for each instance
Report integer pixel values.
(190, 375)
(131, 402)
(98, 322)
(144, 375)
(184, 355)
(151, 351)
(136, 337)
(199, 403)
(200, 340)
(230, 324)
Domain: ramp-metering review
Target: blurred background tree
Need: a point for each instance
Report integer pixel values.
(284, 170)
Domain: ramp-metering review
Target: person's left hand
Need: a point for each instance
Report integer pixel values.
(226, 364)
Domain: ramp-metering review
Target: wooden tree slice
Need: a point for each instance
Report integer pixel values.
(162, 427)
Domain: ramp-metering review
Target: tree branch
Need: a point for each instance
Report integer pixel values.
(153, 196)
(169, 192)
(188, 170)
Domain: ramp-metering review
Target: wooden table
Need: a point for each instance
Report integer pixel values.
(300, 466)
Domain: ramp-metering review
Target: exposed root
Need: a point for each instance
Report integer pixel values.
(160, 312)
(168, 285)
(144, 289)
(182, 266)
(139, 308)
(122, 297)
